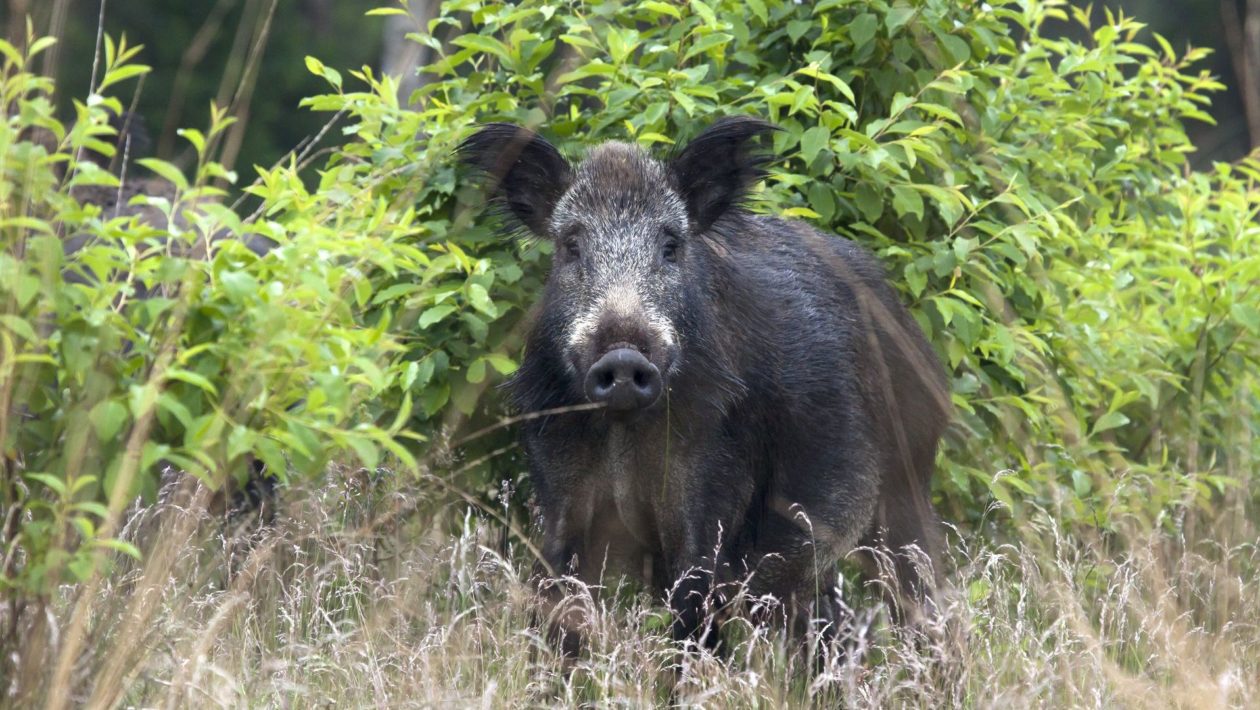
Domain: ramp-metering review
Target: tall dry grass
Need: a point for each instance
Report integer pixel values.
(367, 594)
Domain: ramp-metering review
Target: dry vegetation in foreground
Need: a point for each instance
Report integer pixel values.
(357, 598)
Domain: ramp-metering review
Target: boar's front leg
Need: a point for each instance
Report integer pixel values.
(561, 599)
(689, 601)
(705, 508)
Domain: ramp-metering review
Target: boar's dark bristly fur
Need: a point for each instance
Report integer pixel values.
(770, 404)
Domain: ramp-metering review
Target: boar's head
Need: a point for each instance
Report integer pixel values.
(628, 302)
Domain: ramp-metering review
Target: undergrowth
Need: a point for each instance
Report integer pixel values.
(354, 598)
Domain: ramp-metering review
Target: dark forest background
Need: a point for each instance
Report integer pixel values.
(248, 54)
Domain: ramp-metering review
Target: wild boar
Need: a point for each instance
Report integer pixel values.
(769, 404)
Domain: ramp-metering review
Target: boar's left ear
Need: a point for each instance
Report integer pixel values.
(715, 170)
(525, 171)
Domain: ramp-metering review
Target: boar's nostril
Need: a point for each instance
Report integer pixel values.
(624, 380)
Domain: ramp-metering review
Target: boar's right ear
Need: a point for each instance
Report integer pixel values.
(526, 173)
(715, 170)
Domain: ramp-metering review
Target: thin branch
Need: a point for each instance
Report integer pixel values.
(192, 56)
(509, 421)
(245, 91)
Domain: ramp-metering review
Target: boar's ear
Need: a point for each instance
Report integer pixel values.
(715, 170)
(526, 173)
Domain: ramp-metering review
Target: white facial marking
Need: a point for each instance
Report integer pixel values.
(621, 300)
(620, 221)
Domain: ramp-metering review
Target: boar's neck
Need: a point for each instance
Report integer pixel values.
(742, 347)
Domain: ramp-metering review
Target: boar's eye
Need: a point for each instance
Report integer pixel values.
(570, 251)
(669, 248)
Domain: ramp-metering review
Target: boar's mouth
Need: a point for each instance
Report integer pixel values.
(624, 380)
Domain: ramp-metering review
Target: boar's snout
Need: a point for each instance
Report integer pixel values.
(624, 380)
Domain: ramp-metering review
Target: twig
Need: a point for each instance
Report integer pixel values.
(509, 421)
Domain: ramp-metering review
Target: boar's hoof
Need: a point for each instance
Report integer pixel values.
(624, 380)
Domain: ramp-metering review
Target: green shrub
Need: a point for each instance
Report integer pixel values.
(165, 340)
(1094, 300)
(1028, 194)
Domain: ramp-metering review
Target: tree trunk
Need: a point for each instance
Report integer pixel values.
(1241, 20)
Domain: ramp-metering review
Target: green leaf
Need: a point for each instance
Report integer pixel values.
(1081, 483)
(120, 74)
(898, 16)
(433, 315)
(272, 456)
(862, 29)
(813, 141)
(758, 8)
(839, 84)
(193, 379)
(708, 42)
(40, 45)
(108, 418)
(802, 212)
(476, 371)
(621, 43)
(485, 44)
(195, 137)
(797, 28)
(704, 11)
(434, 398)
(963, 246)
(1110, 420)
(869, 201)
(92, 507)
(661, 8)
(238, 285)
(504, 365)
(823, 200)
(479, 298)
(170, 403)
(907, 201)
(20, 327)
(403, 416)
(650, 137)
(956, 47)
(915, 279)
(57, 485)
(588, 69)
(979, 590)
(240, 441)
(11, 55)
(476, 326)
(168, 172)
(117, 545)
(1248, 315)
(364, 448)
(900, 103)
